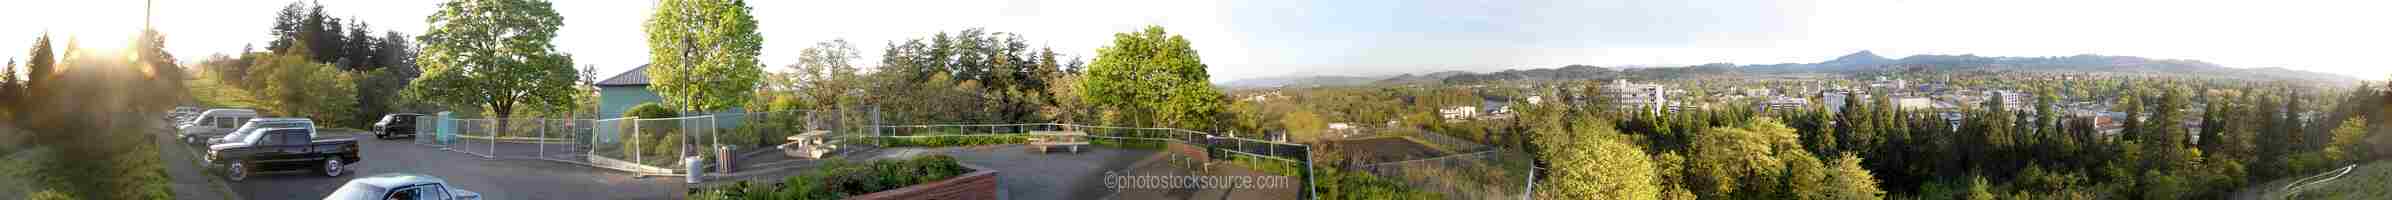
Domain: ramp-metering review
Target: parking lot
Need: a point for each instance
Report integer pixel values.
(493, 178)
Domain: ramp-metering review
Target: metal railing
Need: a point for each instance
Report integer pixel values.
(1272, 150)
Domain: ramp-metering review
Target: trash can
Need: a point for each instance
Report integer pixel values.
(722, 159)
(695, 172)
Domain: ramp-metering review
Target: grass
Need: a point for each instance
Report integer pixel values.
(213, 94)
(2366, 182)
(1266, 165)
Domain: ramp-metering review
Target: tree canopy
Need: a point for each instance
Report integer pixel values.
(494, 54)
(702, 53)
(1155, 76)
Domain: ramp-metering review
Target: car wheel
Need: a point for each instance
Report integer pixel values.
(236, 172)
(332, 167)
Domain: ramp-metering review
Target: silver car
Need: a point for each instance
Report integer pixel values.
(400, 186)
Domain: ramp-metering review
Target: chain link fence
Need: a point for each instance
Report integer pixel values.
(1469, 170)
(1487, 174)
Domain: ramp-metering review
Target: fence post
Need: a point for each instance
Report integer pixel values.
(1309, 192)
(635, 142)
(543, 140)
(492, 152)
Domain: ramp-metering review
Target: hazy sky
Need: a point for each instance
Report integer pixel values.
(1257, 38)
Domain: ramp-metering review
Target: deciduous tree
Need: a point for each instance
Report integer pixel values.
(1153, 73)
(702, 53)
(494, 54)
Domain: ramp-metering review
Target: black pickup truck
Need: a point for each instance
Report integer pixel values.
(284, 149)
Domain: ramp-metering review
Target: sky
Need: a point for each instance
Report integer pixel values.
(1242, 39)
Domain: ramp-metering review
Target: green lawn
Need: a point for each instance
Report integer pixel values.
(214, 94)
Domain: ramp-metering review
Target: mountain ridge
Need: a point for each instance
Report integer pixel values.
(1857, 62)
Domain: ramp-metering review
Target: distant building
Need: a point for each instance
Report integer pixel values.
(1784, 104)
(1459, 112)
(1915, 103)
(1628, 95)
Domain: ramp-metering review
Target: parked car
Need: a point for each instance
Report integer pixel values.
(256, 124)
(180, 113)
(284, 149)
(400, 186)
(393, 125)
(214, 122)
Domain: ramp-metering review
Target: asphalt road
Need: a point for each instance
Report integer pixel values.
(493, 178)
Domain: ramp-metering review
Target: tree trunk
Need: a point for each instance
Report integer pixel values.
(504, 112)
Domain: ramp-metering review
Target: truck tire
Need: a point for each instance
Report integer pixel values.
(236, 171)
(332, 167)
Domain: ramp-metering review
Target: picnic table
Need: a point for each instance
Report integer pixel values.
(1049, 139)
(810, 144)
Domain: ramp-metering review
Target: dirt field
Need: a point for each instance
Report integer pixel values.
(1383, 149)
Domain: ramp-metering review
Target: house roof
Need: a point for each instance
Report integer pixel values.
(634, 77)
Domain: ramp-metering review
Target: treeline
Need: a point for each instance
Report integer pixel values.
(317, 66)
(970, 76)
(2178, 139)
(77, 122)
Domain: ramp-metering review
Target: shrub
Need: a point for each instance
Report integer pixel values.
(653, 141)
(837, 179)
(948, 141)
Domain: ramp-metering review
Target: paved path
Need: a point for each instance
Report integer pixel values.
(184, 172)
(494, 178)
(1022, 172)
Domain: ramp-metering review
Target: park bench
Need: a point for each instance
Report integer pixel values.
(1044, 140)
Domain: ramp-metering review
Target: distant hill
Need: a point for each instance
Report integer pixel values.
(1856, 63)
(1301, 81)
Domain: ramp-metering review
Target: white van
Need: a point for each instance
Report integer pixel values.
(213, 123)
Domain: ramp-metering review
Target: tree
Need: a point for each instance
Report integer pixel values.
(1155, 75)
(360, 49)
(1847, 180)
(1736, 161)
(38, 70)
(295, 86)
(10, 86)
(1805, 178)
(1066, 107)
(1596, 164)
(1303, 125)
(826, 71)
(2346, 145)
(702, 53)
(289, 23)
(494, 54)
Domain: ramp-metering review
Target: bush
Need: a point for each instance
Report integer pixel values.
(650, 110)
(1359, 185)
(1266, 165)
(652, 142)
(1128, 143)
(838, 179)
(948, 141)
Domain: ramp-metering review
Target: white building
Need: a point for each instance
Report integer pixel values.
(1633, 95)
(1459, 112)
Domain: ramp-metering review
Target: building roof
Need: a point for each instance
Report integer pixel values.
(634, 77)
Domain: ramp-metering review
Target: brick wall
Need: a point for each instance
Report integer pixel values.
(980, 184)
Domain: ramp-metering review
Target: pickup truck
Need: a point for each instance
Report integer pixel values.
(393, 125)
(284, 149)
